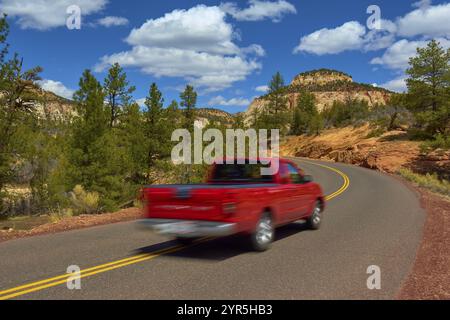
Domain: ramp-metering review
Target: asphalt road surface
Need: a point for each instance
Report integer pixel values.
(375, 220)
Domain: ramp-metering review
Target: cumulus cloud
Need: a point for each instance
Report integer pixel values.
(397, 56)
(259, 10)
(46, 14)
(396, 85)
(200, 28)
(351, 35)
(423, 4)
(57, 88)
(112, 21)
(234, 102)
(262, 89)
(430, 21)
(195, 44)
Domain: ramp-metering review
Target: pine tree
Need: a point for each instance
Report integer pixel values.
(307, 119)
(429, 88)
(4, 31)
(17, 97)
(132, 133)
(96, 161)
(277, 98)
(188, 102)
(156, 130)
(276, 113)
(118, 91)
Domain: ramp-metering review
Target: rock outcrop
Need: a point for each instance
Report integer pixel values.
(327, 86)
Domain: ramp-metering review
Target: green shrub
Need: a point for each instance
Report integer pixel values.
(428, 181)
(375, 133)
(439, 142)
(85, 202)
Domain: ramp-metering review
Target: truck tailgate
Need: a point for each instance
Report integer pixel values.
(193, 202)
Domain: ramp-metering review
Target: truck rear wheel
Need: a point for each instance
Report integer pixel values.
(263, 236)
(315, 220)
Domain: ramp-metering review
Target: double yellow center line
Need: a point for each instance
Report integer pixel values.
(343, 188)
(52, 282)
(62, 279)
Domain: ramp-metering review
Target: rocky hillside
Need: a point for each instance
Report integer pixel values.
(387, 153)
(58, 107)
(327, 86)
(208, 115)
(52, 105)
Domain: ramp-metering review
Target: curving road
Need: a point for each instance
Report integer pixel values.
(375, 220)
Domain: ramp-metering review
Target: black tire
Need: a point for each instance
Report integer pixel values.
(264, 234)
(185, 241)
(315, 220)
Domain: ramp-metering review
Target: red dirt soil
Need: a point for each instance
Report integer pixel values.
(430, 275)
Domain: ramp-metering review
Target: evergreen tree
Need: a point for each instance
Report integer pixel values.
(156, 129)
(188, 102)
(96, 161)
(4, 31)
(118, 91)
(429, 88)
(174, 118)
(307, 119)
(275, 115)
(277, 94)
(17, 97)
(132, 131)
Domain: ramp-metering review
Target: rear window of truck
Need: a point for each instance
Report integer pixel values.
(241, 173)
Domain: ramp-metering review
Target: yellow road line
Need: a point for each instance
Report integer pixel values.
(84, 275)
(68, 275)
(343, 188)
(55, 281)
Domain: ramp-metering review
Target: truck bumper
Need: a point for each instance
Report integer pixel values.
(187, 228)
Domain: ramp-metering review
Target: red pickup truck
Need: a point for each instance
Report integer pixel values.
(236, 199)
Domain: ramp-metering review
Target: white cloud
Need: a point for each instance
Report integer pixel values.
(397, 56)
(195, 44)
(234, 102)
(396, 85)
(349, 36)
(200, 28)
(255, 49)
(46, 14)
(259, 10)
(423, 4)
(141, 102)
(57, 88)
(111, 21)
(380, 39)
(263, 89)
(430, 21)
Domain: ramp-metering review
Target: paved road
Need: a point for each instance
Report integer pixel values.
(376, 221)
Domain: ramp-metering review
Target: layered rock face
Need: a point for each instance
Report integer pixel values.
(327, 86)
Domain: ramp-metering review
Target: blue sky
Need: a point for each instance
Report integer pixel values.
(227, 50)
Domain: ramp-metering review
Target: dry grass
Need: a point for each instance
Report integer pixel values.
(428, 181)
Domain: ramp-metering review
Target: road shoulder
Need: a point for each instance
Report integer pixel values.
(430, 274)
(74, 223)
